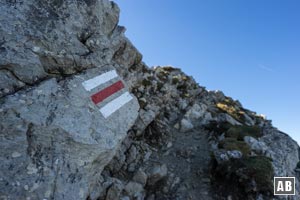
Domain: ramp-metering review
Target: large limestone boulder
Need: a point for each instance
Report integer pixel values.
(55, 141)
(56, 136)
(284, 152)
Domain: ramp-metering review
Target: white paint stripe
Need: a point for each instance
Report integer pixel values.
(98, 80)
(115, 104)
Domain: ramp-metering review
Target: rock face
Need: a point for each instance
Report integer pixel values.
(54, 140)
(82, 117)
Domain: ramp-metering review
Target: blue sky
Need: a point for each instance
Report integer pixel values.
(248, 49)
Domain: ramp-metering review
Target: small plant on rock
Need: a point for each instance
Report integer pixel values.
(239, 132)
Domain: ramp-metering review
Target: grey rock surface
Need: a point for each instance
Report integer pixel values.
(42, 39)
(63, 140)
(227, 118)
(257, 146)
(140, 177)
(114, 192)
(285, 154)
(157, 173)
(134, 190)
(234, 154)
(55, 142)
(186, 125)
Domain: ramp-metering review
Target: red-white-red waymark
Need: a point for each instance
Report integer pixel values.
(97, 97)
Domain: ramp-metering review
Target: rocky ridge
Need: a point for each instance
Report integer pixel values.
(174, 140)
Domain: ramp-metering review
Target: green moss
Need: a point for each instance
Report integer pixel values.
(145, 69)
(182, 87)
(231, 144)
(234, 136)
(212, 155)
(239, 132)
(217, 127)
(239, 173)
(175, 79)
(186, 95)
(146, 82)
(138, 58)
(160, 85)
(224, 126)
(142, 103)
(195, 86)
(162, 74)
(260, 168)
(186, 78)
(169, 68)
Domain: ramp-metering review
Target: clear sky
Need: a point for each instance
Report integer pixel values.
(248, 49)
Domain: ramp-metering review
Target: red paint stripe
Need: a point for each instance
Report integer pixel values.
(106, 92)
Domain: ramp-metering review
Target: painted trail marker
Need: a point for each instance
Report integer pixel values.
(98, 97)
